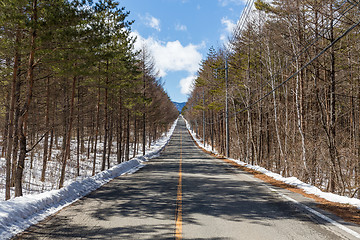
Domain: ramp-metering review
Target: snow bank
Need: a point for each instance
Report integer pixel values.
(310, 189)
(207, 147)
(293, 181)
(18, 214)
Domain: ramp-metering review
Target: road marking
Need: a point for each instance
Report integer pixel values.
(320, 215)
(311, 210)
(178, 213)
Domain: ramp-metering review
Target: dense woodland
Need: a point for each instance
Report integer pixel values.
(71, 79)
(293, 92)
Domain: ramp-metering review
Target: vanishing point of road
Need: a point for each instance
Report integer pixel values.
(186, 194)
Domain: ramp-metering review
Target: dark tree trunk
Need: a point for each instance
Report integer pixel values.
(20, 165)
(135, 136)
(105, 124)
(10, 117)
(16, 134)
(24, 113)
(6, 125)
(78, 133)
(110, 141)
(47, 122)
(96, 131)
(119, 132)
(90, 145)
(68, 140)
(127, 151)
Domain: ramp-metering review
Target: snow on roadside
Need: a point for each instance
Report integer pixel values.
(293, 181)
(19, 213)
(207, 147)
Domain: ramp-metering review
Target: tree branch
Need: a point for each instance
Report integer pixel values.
(32, 148)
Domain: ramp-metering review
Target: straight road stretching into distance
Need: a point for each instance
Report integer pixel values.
(187, 194)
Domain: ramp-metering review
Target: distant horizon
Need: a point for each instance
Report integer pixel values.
(179, 105)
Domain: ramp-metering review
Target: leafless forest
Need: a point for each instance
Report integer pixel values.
(293, 83)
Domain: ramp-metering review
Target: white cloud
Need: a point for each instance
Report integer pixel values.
(223, 38)
(229, 25)
(180, 27)
(228, 30)
(173, 56)
(186, 84)
(225, 3)
(152, 22)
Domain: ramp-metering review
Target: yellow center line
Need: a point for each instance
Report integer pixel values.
(178, 213)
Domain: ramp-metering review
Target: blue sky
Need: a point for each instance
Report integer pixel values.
(179, 34)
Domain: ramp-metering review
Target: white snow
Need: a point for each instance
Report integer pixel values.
(19, 213)
(293, 181)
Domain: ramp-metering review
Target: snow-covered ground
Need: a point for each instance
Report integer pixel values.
(293, 181)
(19, 213)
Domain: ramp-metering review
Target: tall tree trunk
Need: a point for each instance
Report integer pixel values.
(78, 149)
(68, 140)
(144, 112)
(287, 132)
(51, 143)
(25, 110)
(20, 164)
(119, 132)
(276, 119)
(144, 133)
(10, 129)
(127, 151)
(65, 119)
(16, 133)
(90, 145)
(47, 122)
(105, 121)
(110, 140)
(236, 126)
(316, 89)
(78, 132)
(250, 137)
(332, 118)
(300, 125)
(212, 129)
(260, 106)
(52, 132)
(299, 94)
(96, 130)
(135, 136)
(6, 125)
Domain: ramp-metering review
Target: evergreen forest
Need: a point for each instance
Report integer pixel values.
(73, 90)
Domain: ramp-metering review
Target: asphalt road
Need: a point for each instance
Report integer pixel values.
(187, 194)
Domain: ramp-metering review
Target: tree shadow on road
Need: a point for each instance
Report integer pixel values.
(142, 205)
